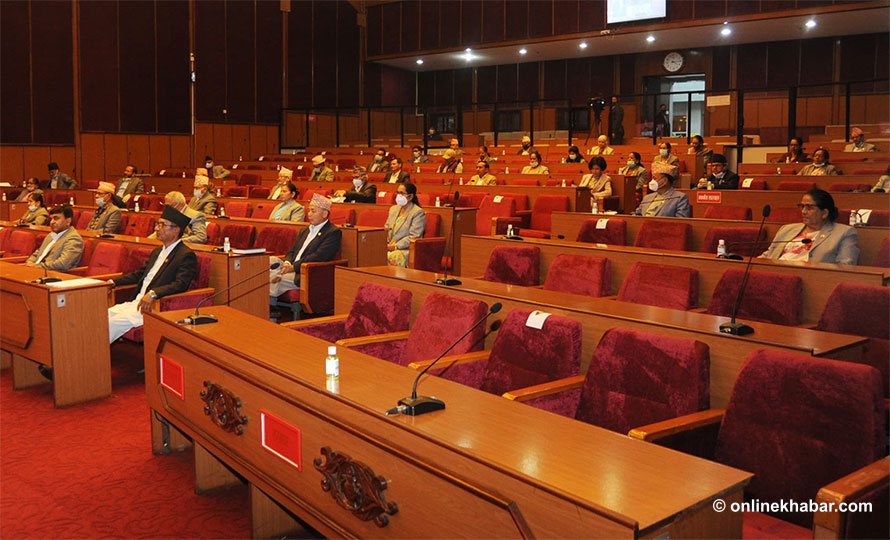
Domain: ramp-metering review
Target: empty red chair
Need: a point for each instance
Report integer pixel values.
(523, 182)
(882, 259)
(345, 163)
(263, 210)
(493, 207)
(665, 235)
(259, 192)
(470, 199)
(603, 231)
(213, 234)
(516, 265)
(674, 287)
(579, 274)
(428, 253)
(235, 191)
(85, 217)
(256, 167)
(539, 217)
(307, 195)
(59, 196)
(433, 225)
(248, 179)
(372, 218)
(738, 240)
(386, 197)
(90, 184)
(240, 209)
(240, 236)
(139, 225)
(20, 244)
(521, 200)
(107, 259)
(849, 186)
(430, 180)
(5, 232)
(768, 297)
(728, 212)
(754, 184)
(340, 215)
(276, 240)
(796, 186)
(788, 214)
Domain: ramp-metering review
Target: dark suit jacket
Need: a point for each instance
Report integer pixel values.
(402, 177)
(173, 277)
(367, 194)
(730, 180)
(323, 247)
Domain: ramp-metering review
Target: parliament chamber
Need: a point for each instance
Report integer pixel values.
(477, 269)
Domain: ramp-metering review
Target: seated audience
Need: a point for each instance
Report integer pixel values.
(664, 201)
(288, 209)
(58, 179)
(795, 153)
(169, 270)
(598, 181)
(485, 156)
(320, 170)
(319, 242)
(829, 242)
(665, 157)
(107, 216)
(857, 142)
(534, 164)
(406, 222)
(721, 177)
(698, 148)
(196, 231)
(285, 175)
(36, 214)
(396, 175)
(821, 166)
(379, 164)
(217, 172)
(62, 248)
(129, 184)
(452, 163)
(602, 147)
(30, 185)
(635, 168)
(574, 155)
(483, 176)
(526, 146)
(418, 156)
(203, 200)
(883, 185)
(454, 144)
(362, 191)
(433, 134)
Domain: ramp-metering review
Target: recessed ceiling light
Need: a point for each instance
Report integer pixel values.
(725, 22)
(810, 24)
(650, 39)
(468, 49)
(583, 45)
(726, 32)
(419, 61)
(522, 51)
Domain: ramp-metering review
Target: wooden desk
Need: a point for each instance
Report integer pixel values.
(597, 315)
(782, 199)
(484, 467)
(822, 182)
(818, 279)
(66, 329)
(568, 224)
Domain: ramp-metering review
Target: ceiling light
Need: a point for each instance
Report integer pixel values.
(522, 51)
(583, 45)
(420, 61)
(650, 39)
(725, 22)
(810, 23)
(468, 49)
(726, 32)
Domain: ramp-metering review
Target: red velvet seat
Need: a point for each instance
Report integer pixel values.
(259, 192)
(248, 179)
(539, 218)
(88, 245)
(376, 309)
(386, 197)
(263, 210)
(661, 285)
(849, 186)
(135, 259)
(213, 234)
(372, 218)
(796, 186)
(5, 232)
(107, 258)
(340, 215)
(665, 235)
(428, 253)
(20, 244)
(470, 199)
(345, 163)
(58, 197)
(276, 240)
(755, 184)
(523, 182)
(240, 236)
(520, 198)
(636, 378)
(768, 297)
(239, 209)
(720, 211)
(139, 225)
(490, 209)
(741, 236)
(614, 233)
(235, 191)
(579, 274)
(90, 184)
(307, 195)
(786, 214)
(882, 259)
(84, 220)
(516, 265)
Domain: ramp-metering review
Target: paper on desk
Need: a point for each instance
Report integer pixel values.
(864, 214)
(536, 319)
(498, 198)
(69, 283)
(601, 223)
(746, 183)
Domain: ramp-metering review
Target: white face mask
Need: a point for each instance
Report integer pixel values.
(664, 152)
(416, 154)
(318, 168)
(720, 174)
(653, 185)
(819, 164)
(533, 164)
(31, 188)
(357, 182)
(198, 193)
(573, 156)
(378, 158)
(100, 202)
(32, 208)
(208, 165)
(401, 200)
(631, 164)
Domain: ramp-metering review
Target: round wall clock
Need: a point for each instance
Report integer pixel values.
(673, 62)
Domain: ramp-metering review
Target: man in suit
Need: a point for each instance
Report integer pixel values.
(196, 231)
(379, 164)
(62, 249)
(318, 242)
(664, 201)
(59, 180)
(129, 185)
(396, 175)
(418, 157)
(215, 171)
(857, 142)
(321, 172)
(483, 176)
(169, 270)
(721, 177)
(616, 122)
(107, 216)
(203, 201)
(362, 190)
(31, 184)
(285, 175)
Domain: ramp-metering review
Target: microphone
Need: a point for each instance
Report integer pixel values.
(414, 405)
(737, 257)
(736, 328)
(44, 280)
(199, 318)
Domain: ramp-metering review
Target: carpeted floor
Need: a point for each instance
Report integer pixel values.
(88, 471)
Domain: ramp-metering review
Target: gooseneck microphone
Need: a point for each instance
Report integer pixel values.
(44, 280)
(417, 405)
(205, 318)
(737, 257)
(736, 328)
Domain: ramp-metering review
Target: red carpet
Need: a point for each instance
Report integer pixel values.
(88, 471)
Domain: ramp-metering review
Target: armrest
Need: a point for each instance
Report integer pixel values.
(545, 389)
(183, 300)
(78, 270)
(810, 326)
(613, 297)
(105, 277)
(467, 358)
(849, 488)
(674, 426)
(525, 217)
(367, 340)
(698, 310)
(317, 320)
(16, 260)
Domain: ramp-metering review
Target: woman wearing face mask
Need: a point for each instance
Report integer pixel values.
(406, 222)
(666, 157)
(598, 181)
(288, 209)
(417, 155)
(820, 165)
(36, 214)
(30, 185)
(664, 201)
(534, 164)
(829, 242)
(362, 191)
(574, 155)
(635, 168)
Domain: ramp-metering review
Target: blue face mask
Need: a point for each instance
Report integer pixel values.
(100, 202)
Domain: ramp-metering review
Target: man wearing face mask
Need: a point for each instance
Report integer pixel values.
(534, 164)
(284, 176)
(380, 164)
(417, 155)
(321, 172)
(452, 163)
(721, 177)
(665, 157)
(31, 184)
(362, 191)
(107, 216)
(857, 142)
(215, 171)
(396, 175)
(58, 179)
(129, 184)
(526, 146)
(821, 166)
(203, 200)
(62, 249)
(664, 201)
(635, 168)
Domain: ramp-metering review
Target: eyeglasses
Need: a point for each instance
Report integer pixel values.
(168, 225)
(807, 207)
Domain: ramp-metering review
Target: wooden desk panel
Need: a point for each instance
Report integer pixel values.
(818, 279)
(597, 315)
(756, 199)
(492, 473)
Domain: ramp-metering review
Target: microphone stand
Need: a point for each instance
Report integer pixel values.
(197, 317)
(736, 328)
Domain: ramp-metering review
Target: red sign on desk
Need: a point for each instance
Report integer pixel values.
(172, 376)
(281, 439)
(709, 197)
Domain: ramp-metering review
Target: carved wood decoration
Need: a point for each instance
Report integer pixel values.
(355, 487)
(223, 407)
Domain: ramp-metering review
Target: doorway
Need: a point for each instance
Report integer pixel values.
(683, 113)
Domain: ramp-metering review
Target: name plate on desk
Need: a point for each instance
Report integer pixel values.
(709, 197)
(172, 376)
(281, 439)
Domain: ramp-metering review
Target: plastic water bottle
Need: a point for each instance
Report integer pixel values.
(218, 192)
(418, 168)
(4, 196)
(438, 202)
(563, 182)
(332, 365)
(222, 211)
(239, 158)
(227, 247)
(461, 180)
(563, 160)
(506, 170)
(337, 168)
(854, 218)
(183, 174)
(136, 207)
(71, 201)
(721, 248)
(509, 229)
(596, 206)
(778, 170)
(153, 190)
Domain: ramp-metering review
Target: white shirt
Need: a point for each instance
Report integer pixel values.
(123, 187)
(55, 237)
(162, 256)
(313, 232)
